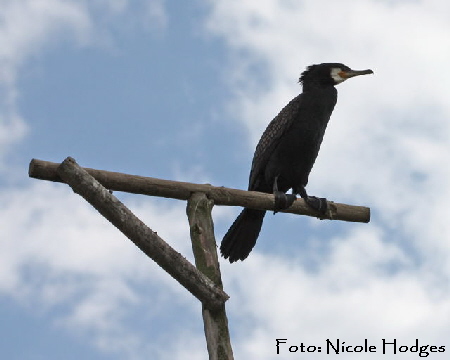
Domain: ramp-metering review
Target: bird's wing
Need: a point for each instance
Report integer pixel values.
(270, 139)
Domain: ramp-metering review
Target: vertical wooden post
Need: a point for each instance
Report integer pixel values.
(204, 246)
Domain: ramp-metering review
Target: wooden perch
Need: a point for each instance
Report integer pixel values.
(215, 322)
(204, 282)
(211, 295)
(45, 170)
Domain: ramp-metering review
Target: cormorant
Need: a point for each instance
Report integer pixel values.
(286, 153)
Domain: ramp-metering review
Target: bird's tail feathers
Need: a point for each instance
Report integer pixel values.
(240, 239)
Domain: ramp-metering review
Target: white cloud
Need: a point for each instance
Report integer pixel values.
(28, 27)
(287, 36)
(387, 147)
(75, 260)
(387, 141)
(351, 297)
(56, 251)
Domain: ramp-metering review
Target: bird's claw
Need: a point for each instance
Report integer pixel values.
(318, 204)
(283, 201)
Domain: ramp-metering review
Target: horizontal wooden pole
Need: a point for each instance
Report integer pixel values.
(115, 181)
(211, 295)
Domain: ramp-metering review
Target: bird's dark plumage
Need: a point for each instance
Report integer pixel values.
(287, 151)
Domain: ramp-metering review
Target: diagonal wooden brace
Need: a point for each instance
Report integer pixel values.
(211, 295)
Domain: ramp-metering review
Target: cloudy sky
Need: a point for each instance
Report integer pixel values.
(183, 91)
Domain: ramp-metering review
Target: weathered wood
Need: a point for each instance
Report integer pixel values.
(204, 246)
(211, 295)
(45, 170)
(205, 284)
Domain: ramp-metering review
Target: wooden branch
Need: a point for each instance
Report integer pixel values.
(204, 246)
(211, 296)
(45, 170)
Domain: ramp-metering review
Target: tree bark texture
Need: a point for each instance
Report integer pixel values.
(204, 246)
(45, 170)
(211, 295)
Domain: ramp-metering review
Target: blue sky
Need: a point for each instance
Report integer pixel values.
(183, 91)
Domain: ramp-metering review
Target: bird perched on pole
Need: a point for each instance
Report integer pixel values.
(286, 153)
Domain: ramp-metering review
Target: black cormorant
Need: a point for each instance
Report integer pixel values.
(286, 153)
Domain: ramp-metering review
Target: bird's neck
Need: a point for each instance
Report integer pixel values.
(316, 86)
(320, 97)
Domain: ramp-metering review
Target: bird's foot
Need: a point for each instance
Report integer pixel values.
(283, 201)
(318, 204)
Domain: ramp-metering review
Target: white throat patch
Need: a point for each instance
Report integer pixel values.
(336, 75)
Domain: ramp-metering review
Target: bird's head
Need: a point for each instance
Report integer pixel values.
(327, 74)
